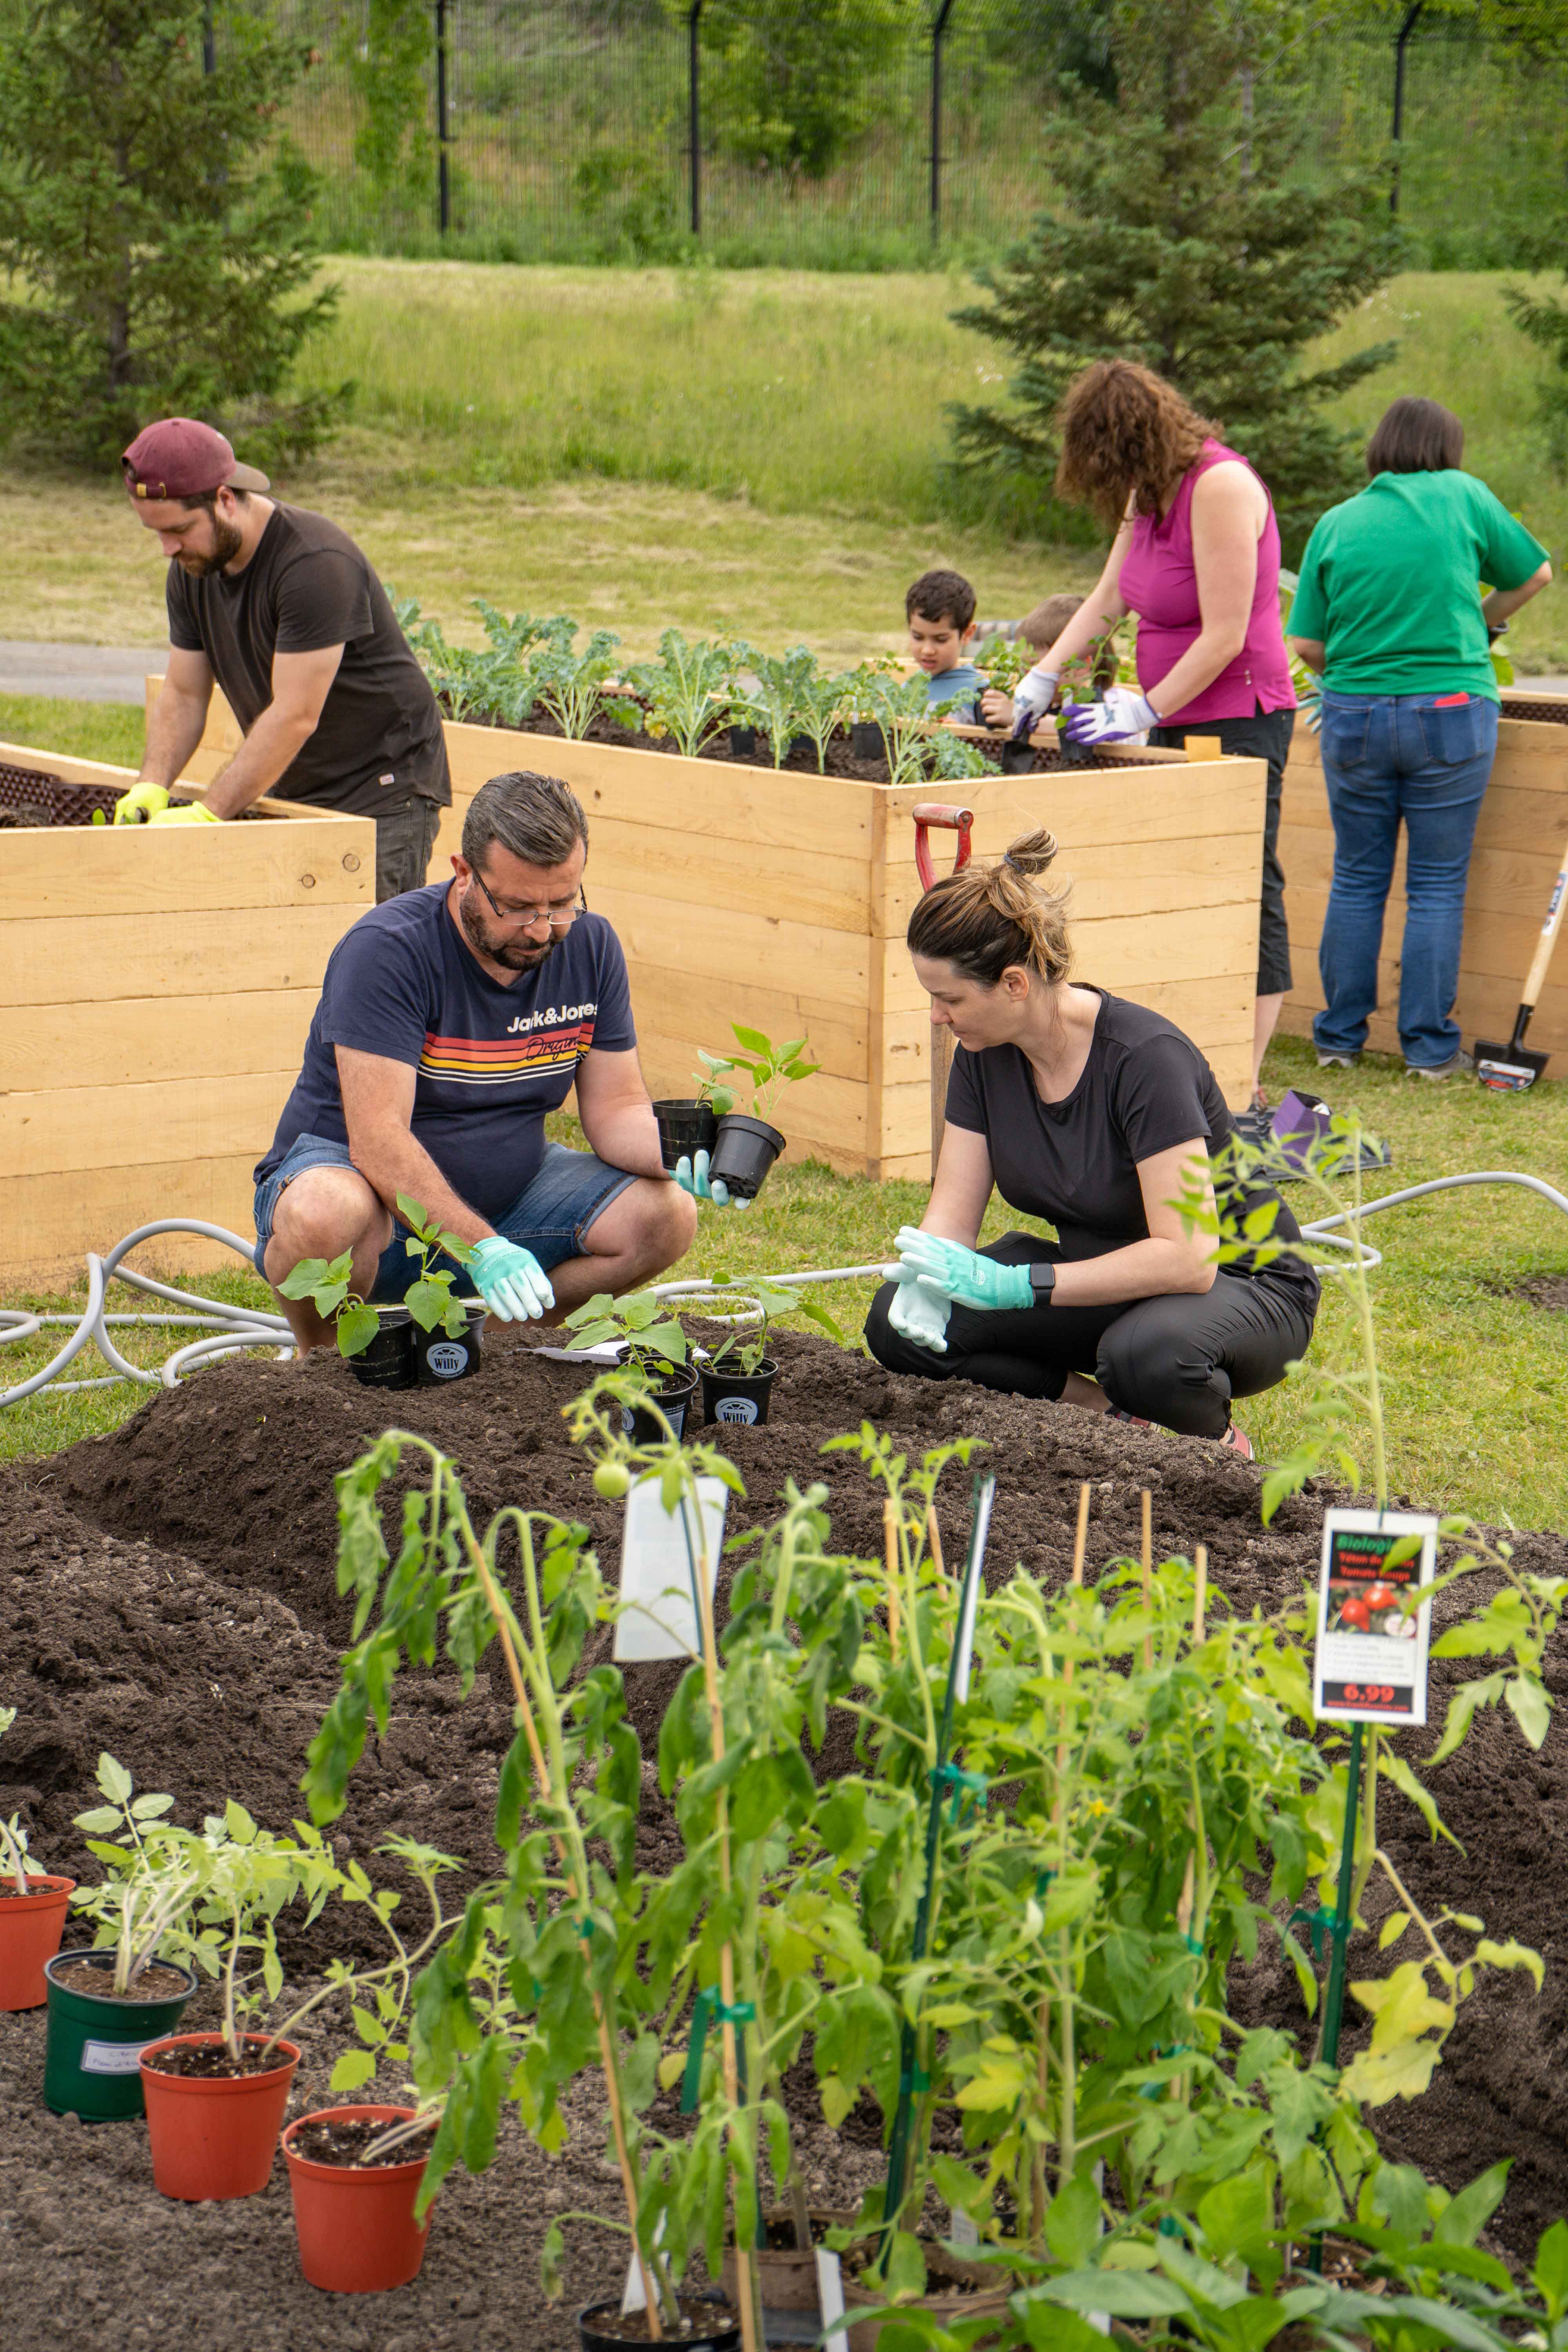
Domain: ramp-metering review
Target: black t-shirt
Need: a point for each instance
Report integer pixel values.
(378, 742)
(490, 1057)
(1145, 1087)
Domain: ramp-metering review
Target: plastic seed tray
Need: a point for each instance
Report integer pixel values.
(1554, 714)
(40, 798)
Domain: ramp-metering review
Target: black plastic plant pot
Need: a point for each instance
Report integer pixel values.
(388, 1362)
(867, 740)
(744, 1153)
(742, 742)
(92, 2051)
(801, 747)
(738, 1397)
(722, 2335)
(674, 1400)
(438, 1357)
(1018, 757)
(685, 1127)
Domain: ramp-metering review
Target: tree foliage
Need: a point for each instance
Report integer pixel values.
(157, 263)
(792, 86)
(1183, 239)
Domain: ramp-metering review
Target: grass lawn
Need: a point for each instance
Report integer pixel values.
(761, 450)
(1475, 1380)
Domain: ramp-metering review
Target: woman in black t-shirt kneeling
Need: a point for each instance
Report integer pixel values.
(1096, 1116)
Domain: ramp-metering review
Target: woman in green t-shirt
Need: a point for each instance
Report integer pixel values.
(1389, 609)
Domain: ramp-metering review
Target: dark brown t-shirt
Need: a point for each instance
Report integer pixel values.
(378, 742)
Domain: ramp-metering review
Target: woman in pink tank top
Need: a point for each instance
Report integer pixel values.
(1197, 558)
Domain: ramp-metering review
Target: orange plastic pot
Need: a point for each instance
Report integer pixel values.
(355, 2222)
(31, 1926)
(213, 2135)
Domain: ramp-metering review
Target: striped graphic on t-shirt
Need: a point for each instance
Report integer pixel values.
(492, 1061)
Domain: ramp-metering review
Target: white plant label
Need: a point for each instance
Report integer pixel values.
(962, 2230)
(1370, 1663)
(659, 1613)
(634, 2298)
(964, 1648)
(113, 2057)
(830, 2301)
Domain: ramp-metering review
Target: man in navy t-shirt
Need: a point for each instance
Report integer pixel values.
(451, 1020)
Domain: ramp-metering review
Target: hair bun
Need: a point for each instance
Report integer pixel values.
(1031, 853)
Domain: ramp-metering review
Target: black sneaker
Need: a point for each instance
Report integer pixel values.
(1455, 1066)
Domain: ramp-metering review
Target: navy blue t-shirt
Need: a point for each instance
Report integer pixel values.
(490, 1059)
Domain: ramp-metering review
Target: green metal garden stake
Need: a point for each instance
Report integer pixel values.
(944, 1776)
(1339, 1929)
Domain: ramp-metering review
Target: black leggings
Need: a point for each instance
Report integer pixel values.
(1177, 1361)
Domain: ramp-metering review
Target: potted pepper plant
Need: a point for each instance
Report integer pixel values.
(32, 1913)
(689, 1124)
(428, 1337)
(747, 1143)
(651, 1348)
(738, 1375)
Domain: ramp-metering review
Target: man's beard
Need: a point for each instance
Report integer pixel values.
(227, 544)
(517, 954)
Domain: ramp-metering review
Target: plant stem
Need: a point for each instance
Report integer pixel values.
(890, 1553)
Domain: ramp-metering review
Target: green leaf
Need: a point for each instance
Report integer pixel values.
(1391, 1929)
(1464, 2217)
(357, 1327)
(114, 1780)
(1124, 2294)
(354, 2069)
(1235, 2213)
(100, 1820)
(1396, 1769)
(1072, 2221)
(1511, 1955)
(1529, 1703)
(148, 1809)
(1550, 2272)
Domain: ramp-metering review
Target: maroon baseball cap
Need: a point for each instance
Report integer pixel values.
(180, 459)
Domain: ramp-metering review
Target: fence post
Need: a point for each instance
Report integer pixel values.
(694, 113)
(1401, 38)
(443, 125)
(938, 33)
(209, 41)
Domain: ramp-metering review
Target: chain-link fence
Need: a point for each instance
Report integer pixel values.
(849, 132)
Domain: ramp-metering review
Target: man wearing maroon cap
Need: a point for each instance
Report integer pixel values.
(281, 608)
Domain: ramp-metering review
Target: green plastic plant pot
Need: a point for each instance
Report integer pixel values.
(30, 1928)
(92, 2055)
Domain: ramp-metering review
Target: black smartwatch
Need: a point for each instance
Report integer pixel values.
(1042, 1282)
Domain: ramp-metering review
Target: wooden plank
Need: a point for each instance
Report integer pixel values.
(48, 1223)
(1127, 953)
(135, 1039)
(681, 1012)
(801, 961)
(134, 869)
(73, 1129)
(1495, 946)
(64, 960)
(701, 870)
(1501, 881)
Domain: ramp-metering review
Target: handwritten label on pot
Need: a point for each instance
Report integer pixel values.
(830, 2300)
(1369, 1663)
(658, 1549)
(735, 1408)
(113, 2057)
(446, 1360)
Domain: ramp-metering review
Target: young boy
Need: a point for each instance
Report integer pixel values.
(940, 609)
(1039, 630)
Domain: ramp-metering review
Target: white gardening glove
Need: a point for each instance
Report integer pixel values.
(920, 1310)
(1032, 698)
(1123, 713)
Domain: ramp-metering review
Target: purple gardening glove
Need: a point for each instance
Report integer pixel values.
(1123, 713)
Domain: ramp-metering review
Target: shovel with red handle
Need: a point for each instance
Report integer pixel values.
(1510, 1069)
(947, 820)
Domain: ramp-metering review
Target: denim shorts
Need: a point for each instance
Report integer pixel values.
(551, 1217)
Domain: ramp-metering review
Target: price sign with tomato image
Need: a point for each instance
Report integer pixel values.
(1372, 1632)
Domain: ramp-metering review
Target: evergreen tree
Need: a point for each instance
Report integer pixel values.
(1181, 241)
(158, 264)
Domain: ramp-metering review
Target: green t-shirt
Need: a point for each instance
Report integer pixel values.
(1391, 581)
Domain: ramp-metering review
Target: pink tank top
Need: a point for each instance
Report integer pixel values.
(1159, 584)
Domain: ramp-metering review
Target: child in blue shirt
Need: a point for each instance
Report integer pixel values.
(940, 609)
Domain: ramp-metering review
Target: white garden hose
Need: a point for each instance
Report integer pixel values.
(229, 1331)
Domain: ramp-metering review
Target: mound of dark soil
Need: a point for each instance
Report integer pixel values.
(168, 1594)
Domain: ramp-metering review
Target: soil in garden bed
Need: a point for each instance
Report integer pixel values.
(154, 1983)
(354, 2144)
(168, 1592)
(838, 756)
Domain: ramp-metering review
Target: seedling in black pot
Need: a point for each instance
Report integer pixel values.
(739, 1376)
(749, 1143)
(689, 1124)
(428, 1337)
(654, 1351)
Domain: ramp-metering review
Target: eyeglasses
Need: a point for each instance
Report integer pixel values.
(560, 918)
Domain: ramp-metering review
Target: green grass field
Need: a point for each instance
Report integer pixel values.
(761, 450)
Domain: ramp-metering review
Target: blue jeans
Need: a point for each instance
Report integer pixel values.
(1424, 758)
(551, 1216)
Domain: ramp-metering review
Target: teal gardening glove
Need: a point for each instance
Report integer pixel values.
(695, 1180)
(966, 1278)
(512, 1282)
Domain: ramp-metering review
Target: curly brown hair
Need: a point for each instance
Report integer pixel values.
(1128, 436)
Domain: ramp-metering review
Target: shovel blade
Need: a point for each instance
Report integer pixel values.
(1507, 1069)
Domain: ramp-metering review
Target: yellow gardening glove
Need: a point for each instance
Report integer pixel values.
(191, 813)
(140, 804)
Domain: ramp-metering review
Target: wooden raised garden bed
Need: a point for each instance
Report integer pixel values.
(1517, 853)
(156, 987)
(778, 898)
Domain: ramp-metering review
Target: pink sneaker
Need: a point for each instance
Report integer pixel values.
(1236, 1441)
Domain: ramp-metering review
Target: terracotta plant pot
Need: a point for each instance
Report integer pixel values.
(355, 2222)
(954, 2291)
(788, 2276)
(31, 1926)
(212, 2134)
